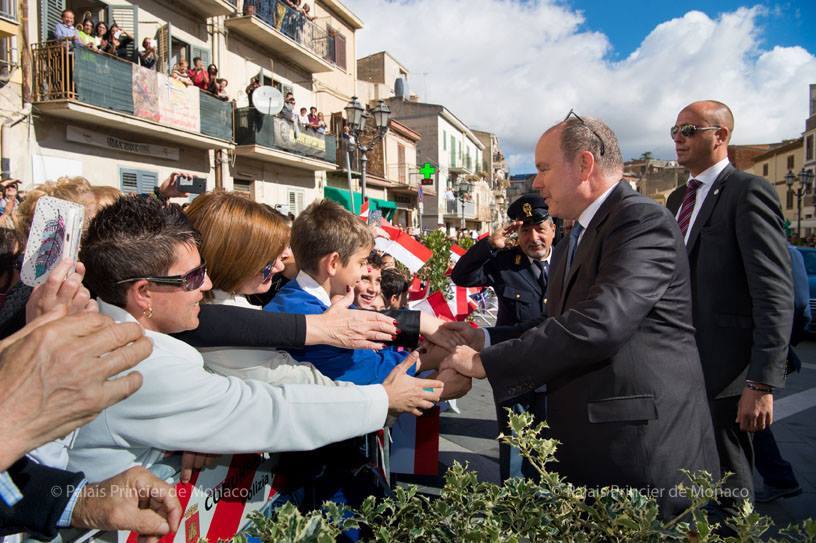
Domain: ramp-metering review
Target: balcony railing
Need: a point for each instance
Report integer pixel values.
(8, 9)
(77, 74)
(456, 207)
(291, 23)
(254, 128)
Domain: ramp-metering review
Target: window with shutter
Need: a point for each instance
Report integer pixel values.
(147, 182)
(129, 181)
(401, 162)
(202, 52)
(50, 15)
(127, 17)
(138, 181)
(164, 37)
(295, 201)
(340, 50)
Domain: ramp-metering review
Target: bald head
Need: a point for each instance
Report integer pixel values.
(707, 143)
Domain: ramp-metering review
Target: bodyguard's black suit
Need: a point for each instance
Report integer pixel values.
(742, 293)
(510, 273)
(624, 382)
(521, 296)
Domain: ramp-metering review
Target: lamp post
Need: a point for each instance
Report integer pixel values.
(357, 118)
(462, 191)
(805, 179)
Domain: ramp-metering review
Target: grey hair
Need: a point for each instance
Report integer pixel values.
(577, 136)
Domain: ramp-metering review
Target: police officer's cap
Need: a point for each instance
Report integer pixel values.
(530, 208)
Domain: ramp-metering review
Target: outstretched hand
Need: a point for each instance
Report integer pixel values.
(349, 328)
(408, 394)
(465, 361)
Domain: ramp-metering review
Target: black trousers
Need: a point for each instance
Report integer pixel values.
(775, 470)
(736, 453)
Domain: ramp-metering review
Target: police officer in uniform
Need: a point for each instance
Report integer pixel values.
(518, 275)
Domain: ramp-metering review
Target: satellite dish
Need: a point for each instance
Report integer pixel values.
(268, 100)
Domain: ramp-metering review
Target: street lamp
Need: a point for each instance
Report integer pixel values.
(358, 118)
(462, 191)
(805, 179)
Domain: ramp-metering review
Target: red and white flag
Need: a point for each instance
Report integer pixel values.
(416, 291)
(455, 308)
(364, 210)
(404, 248)
(457, 252)
(415, 444)
(483, 236)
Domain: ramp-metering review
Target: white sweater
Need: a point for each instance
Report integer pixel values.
(182, 407)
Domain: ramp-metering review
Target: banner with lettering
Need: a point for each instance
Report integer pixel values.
(178, 104)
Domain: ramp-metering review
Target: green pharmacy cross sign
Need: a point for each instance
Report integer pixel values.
(427, 172)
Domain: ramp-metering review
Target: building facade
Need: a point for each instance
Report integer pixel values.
(774, 165)
(497, 176)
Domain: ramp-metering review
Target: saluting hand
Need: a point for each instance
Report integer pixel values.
(498, 239)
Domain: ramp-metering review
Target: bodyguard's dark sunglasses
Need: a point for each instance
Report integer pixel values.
(688, 130)
(191, 280)
(600, 139)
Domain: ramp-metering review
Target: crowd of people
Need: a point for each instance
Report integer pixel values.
(226, 302)
(288, 16)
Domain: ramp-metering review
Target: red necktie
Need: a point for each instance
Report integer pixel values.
(684, 217)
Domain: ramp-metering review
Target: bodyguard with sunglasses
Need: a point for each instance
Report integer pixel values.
(742, 291)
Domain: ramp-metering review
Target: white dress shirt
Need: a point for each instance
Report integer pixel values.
(310, 286)
(182, 407)
(707, 178)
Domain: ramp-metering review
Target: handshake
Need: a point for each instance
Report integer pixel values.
(451, 350)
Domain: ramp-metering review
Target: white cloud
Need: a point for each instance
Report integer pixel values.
(516, 68)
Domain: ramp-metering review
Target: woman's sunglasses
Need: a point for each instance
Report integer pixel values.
(191, 280)
(688, 130)
(266, 272)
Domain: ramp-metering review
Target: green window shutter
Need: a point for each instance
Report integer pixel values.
(50, 15)
(147, 181)
(204, 53)
(127, 17)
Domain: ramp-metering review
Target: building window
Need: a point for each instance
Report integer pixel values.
(138, 181)
(401, 163)
(790, 162)
(295, 200)
(765, 170)
(336, 48)
(809, 147)
(8, 57)
(242, 186)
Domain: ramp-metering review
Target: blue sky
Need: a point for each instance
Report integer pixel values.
(515, 67)
(627, 22)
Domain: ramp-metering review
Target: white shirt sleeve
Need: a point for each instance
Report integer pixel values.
(180, 407)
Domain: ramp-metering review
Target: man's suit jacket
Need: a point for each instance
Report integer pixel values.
(624, 382)
(46, 492)
(741, 283)
(510, 273)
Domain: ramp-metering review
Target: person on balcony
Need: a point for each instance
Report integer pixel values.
(212, 72)
(321, 124)
(64, 29)
(118, 40)
(148, 57)
(199, 75)
(86, 35)
(307, 14)
(313, 117)
(304, 117)
(100, 35)
(181, 72)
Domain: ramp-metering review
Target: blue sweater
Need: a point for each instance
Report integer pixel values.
(358, 366)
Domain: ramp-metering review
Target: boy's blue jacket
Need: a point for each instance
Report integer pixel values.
(358, 366)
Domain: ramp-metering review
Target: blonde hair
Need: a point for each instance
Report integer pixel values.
(324, 228)
(105, 196)
(239, 236)
(72, 189)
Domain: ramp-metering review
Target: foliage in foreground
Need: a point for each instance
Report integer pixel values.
(551, 510)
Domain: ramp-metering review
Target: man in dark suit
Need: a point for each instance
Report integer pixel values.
(519, 276)
(617, 350)
(742, 288)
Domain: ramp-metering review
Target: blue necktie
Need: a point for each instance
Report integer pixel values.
(573, 242)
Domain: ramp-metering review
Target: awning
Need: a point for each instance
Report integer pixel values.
(341, 196)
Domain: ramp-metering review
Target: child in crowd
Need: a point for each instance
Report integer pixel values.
(394, 288)
(367, 291)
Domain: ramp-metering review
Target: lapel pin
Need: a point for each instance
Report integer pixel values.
(716, 192)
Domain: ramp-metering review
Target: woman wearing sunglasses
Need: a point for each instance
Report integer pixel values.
(143, 263)
(242, 242)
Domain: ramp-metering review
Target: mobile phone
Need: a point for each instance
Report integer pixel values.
(191, 185)
(55, 233)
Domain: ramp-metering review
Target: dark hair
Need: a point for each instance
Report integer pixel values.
(96, 29)
(393, 283)
(375, 260)
(211, 66)
(132, 237)
(196, 59)
(324, 228)
(9, 252)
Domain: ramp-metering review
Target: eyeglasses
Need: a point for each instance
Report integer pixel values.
(600, 139)
(688, 130)
(267, 271)
(191, 280)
